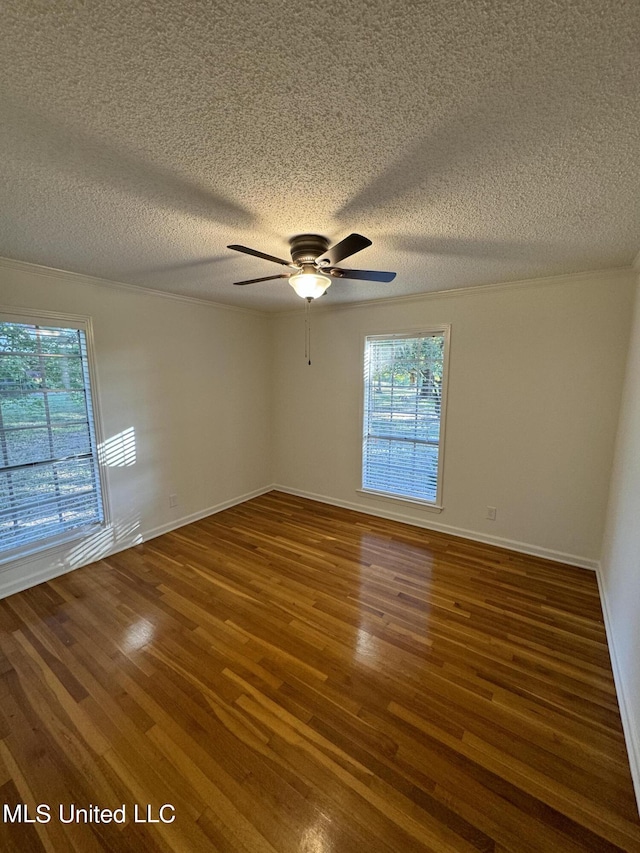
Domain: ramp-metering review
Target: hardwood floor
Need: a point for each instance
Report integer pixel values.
(290, 676)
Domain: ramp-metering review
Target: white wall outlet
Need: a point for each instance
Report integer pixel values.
(173, 500)
(491, 513)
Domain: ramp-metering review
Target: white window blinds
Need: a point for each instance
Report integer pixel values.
(404, 381)
(48, 468)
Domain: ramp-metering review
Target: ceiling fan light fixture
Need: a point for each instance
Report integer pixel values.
(308, 283)
(314, 263)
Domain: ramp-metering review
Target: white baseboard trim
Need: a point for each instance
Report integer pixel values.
(18, 584)
(196, 516)
(17, 578)
(429, 524)
(629, 725)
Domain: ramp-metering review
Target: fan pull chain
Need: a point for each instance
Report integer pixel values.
(307, 331)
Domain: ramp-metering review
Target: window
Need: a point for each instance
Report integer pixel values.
(49, 479)
(404, 398)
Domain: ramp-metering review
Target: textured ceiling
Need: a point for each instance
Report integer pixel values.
(473, 141)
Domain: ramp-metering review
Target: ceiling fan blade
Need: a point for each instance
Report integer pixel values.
(262, 255)
(364, 275)
(266, 278)
(349, 246)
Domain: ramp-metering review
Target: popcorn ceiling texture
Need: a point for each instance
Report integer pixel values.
(473, 141)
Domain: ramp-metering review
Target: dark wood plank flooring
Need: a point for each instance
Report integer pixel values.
(290, 676)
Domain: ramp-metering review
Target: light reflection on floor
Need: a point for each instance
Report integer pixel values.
(138, 635)
(369, 649)
(366, 647)
(316, 838)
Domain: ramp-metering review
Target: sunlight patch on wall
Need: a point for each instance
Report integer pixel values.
(119, 451)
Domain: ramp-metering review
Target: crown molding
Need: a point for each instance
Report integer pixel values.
(94, 281)
(566, 278)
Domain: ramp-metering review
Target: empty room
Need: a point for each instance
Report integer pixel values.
(320, 426)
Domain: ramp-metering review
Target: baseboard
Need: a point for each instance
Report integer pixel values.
(196, 516)
(429, 524)
(18, 584)
(629, 726)
(16, 578)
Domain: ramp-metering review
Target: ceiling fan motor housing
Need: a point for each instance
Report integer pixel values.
(305, 248)
(311, 258)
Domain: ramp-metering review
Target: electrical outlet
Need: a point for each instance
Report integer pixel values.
(173, 500)
(491, 513)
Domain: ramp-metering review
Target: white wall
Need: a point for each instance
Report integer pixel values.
(182, 385)
(535, 380)
(620, 570)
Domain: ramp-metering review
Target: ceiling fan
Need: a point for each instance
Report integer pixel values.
(314, 263)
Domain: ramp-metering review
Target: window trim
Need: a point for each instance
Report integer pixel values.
(83, 322)
(443, 329)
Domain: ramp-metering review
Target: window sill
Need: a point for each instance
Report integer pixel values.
(52, 547)
(430, 507)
